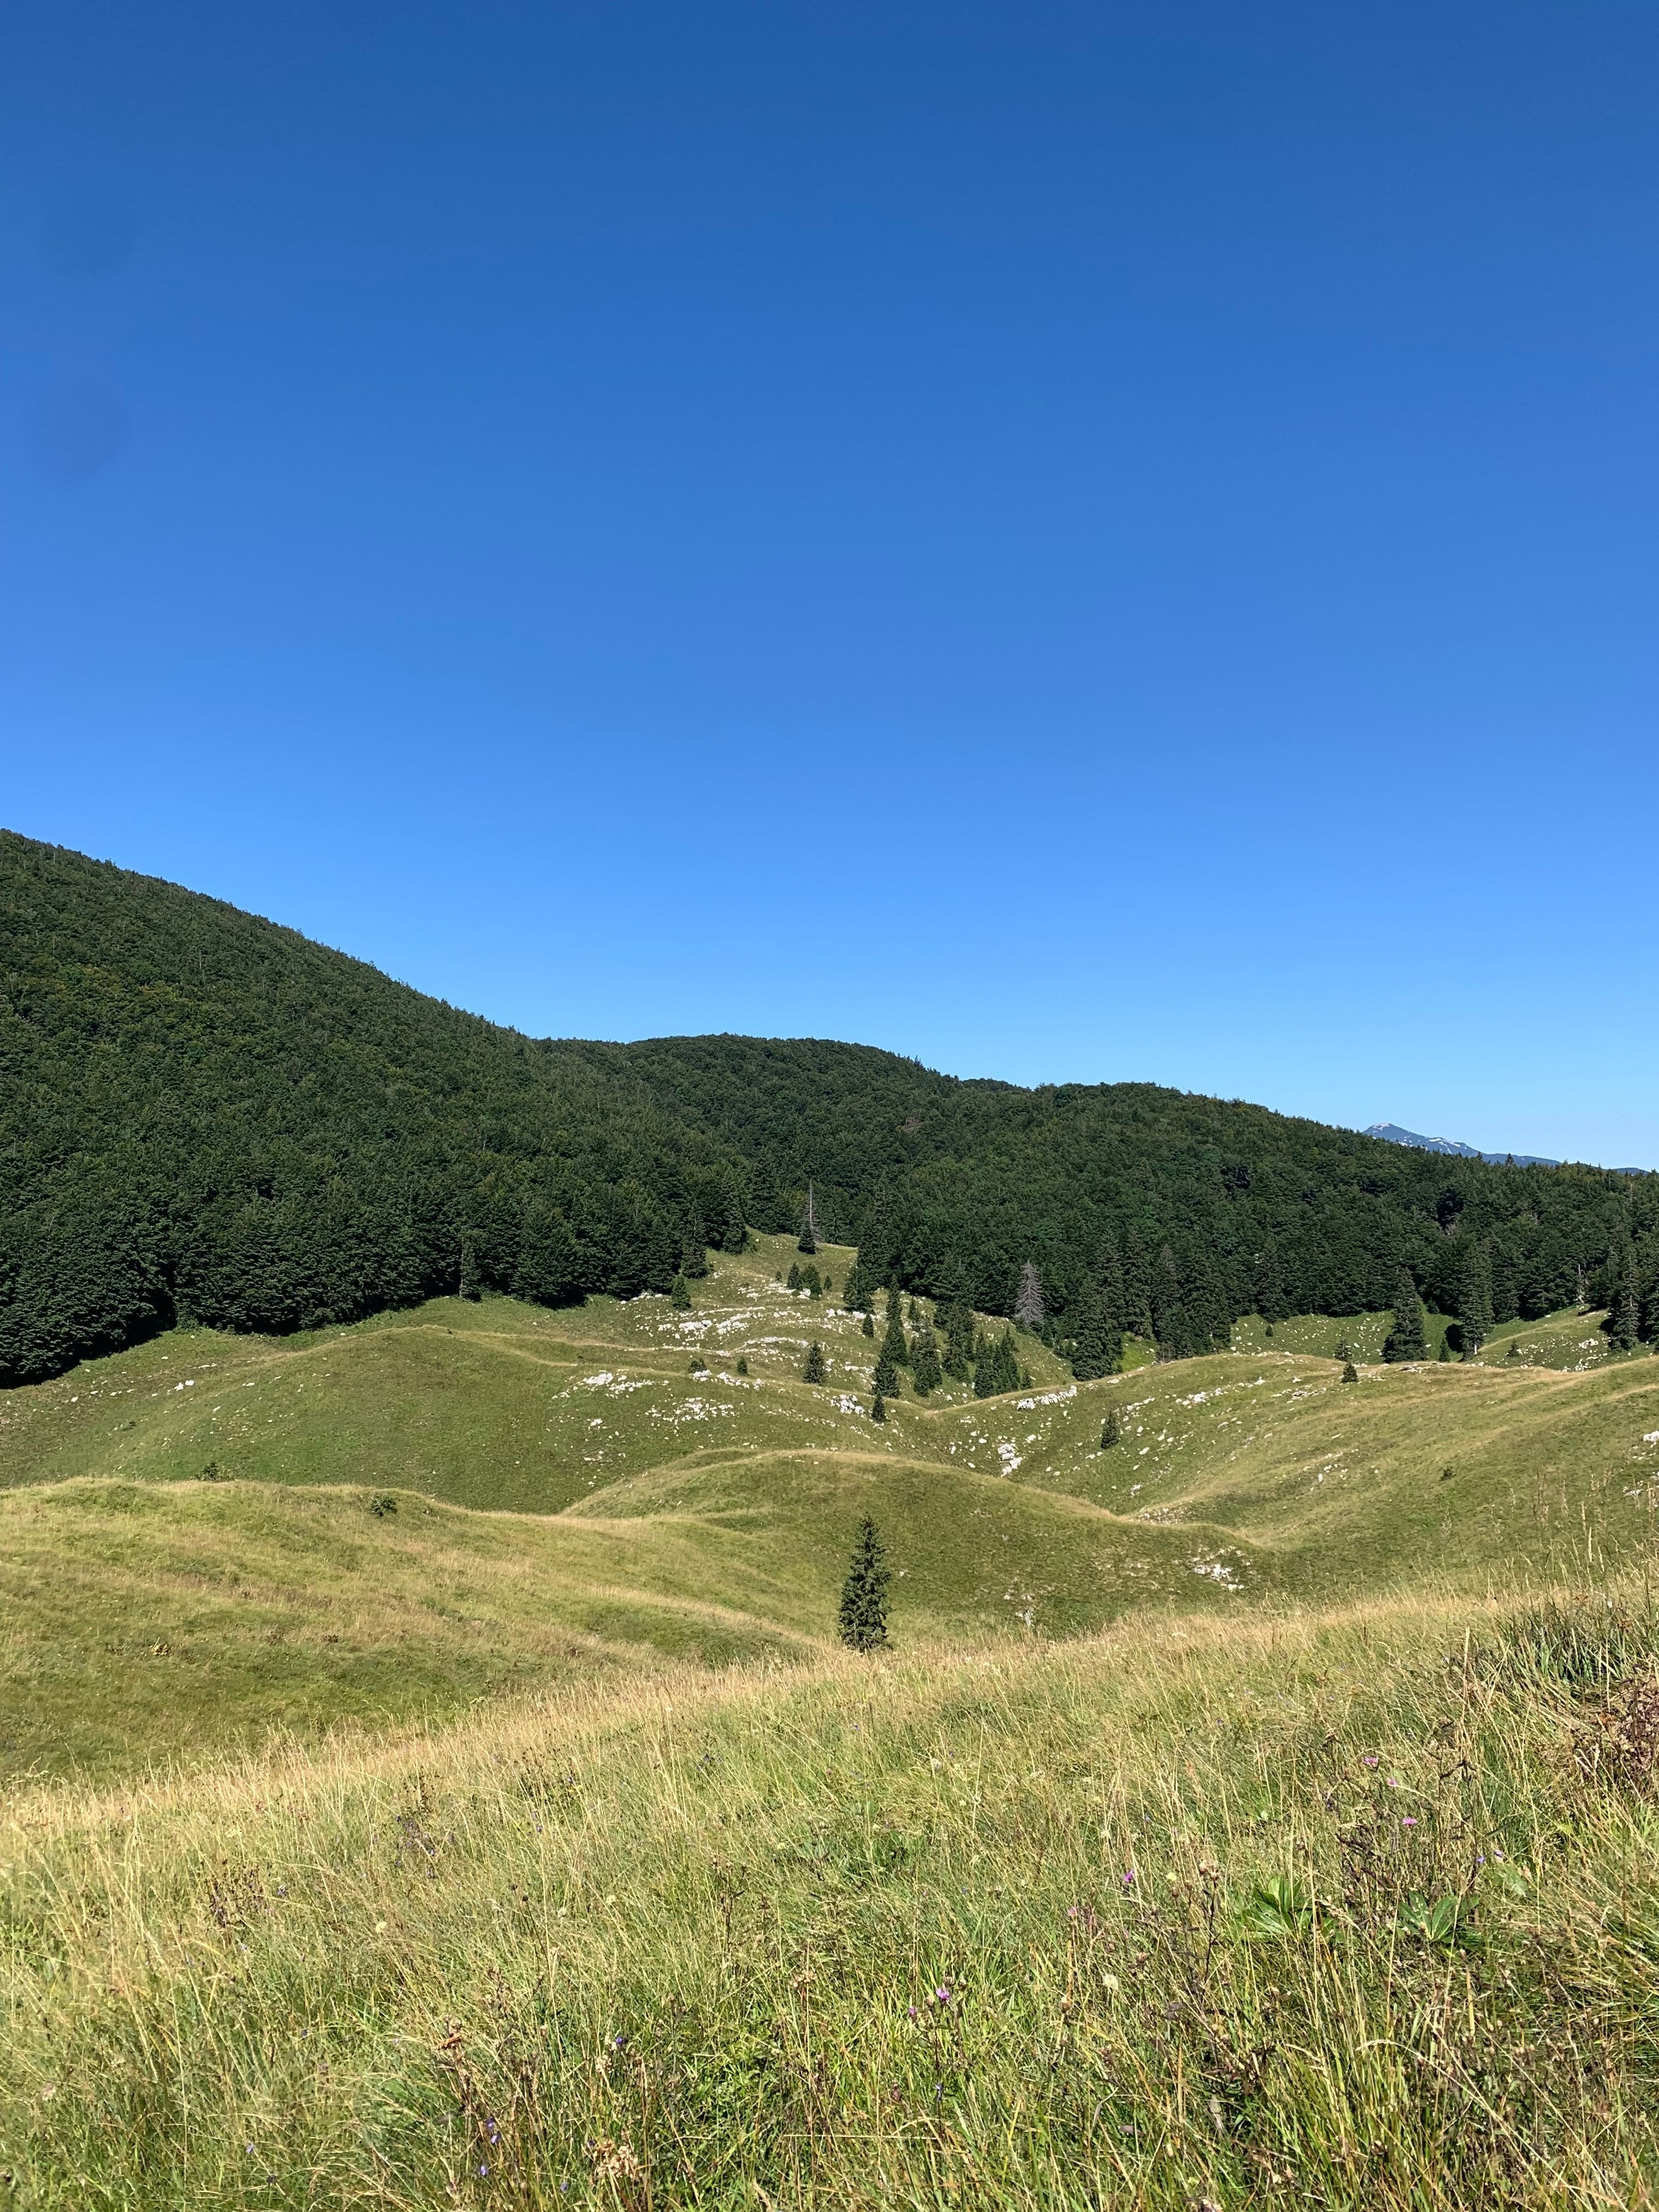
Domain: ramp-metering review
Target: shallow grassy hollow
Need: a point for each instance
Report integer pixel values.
(1349, 1910)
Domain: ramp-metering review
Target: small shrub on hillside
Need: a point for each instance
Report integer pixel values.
(680, 1296)
(742, 1365)
(813, 1371)
(382, 1504)
(1350, 1372)
(1111, 1430)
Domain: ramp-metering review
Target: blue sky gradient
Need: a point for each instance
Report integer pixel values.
(1074, 542)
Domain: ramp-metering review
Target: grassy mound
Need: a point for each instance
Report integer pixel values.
(1348, 1911)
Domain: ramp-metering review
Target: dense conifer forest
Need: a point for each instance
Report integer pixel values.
(205, 1116)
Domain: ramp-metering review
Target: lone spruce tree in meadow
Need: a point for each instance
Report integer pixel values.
(864, 1594)
(1406, 1340)
(1111, 1430)
(813, 1371)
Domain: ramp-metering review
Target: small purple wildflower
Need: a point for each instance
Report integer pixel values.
(1368, 1759)
(1410, 1821)
(1128, 1877)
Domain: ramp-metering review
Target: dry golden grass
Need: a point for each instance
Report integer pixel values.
(1342, 1909)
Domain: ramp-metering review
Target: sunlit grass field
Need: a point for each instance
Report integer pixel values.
(1350, 1908)
(433, 1779)
(208, 1536)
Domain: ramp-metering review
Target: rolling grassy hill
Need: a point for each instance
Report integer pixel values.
(1213, 1835)
(209, 1535)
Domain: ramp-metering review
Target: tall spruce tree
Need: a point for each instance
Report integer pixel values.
(1625, 1315)
(1267, 1284)
(813, 1371)
(959, 1341)
(878, 1406)
(1091, 1345)
(1474, 1298)
(998, 1367)
(1111, 1429)
(1407, 1339)
(735, 1236)
(694, 1253)
(471, 1284)
(1028, 1300)
(679, 1296)
(1172, 1329)
(863, 1618)
(895, 1345)
(926, 1372)
(1137, 1287)
(1109, 1281)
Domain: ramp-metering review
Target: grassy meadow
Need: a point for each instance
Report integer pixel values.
(431, 1779)
(1337, 1908)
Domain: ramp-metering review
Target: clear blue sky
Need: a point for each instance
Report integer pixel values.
(1075, 542)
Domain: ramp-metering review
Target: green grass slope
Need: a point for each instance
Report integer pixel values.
(1350, 1910)
(571, 1494)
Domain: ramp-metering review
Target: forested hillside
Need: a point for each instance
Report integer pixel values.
(1216, 1208)
(205, 1116)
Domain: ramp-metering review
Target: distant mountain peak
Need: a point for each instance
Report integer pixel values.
(1392, 1134)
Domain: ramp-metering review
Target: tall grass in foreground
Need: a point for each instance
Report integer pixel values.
(1361, 1910)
